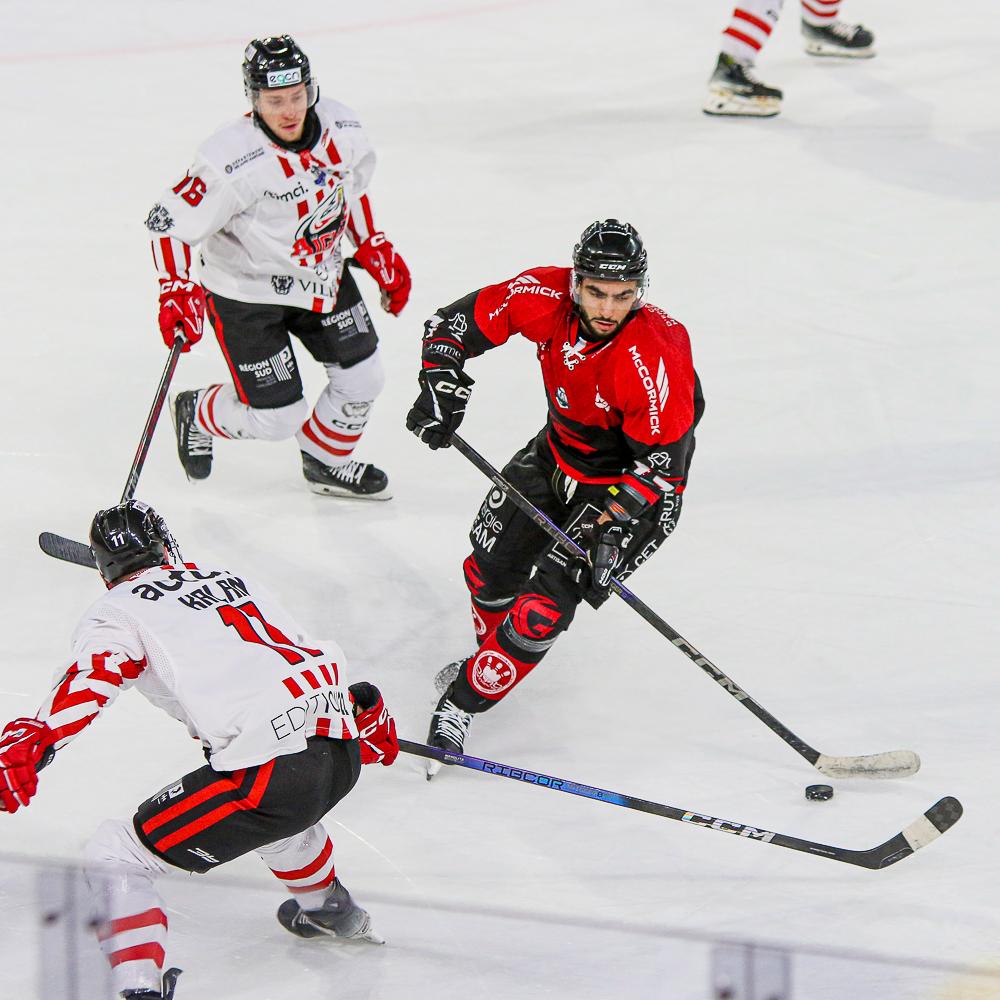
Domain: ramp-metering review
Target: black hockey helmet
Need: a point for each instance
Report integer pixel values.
(130, 537)
(610, 251)
(275, 62)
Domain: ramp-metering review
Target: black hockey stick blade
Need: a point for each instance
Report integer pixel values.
(66, 549)
(940, 817)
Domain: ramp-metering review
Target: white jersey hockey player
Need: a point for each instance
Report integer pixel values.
(264, 209)
(735, 89)
(284, 736)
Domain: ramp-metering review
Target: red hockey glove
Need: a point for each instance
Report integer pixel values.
(24, 750)
(182, 305)
(376, 727)
(377, 256)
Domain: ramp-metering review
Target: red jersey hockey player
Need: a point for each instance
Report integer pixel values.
(271, 708)
(267, 202)
(610, 464)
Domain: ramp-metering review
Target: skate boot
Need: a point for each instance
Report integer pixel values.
(352, 479)
(194, 446)
(449, 728)
(735, 89)
(851, 41)
(165, 993)
(339, 916)
(445, 677)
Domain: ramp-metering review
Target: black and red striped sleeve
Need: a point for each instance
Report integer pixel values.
(490, 316)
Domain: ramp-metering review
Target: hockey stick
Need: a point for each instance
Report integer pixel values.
(891, 764)
(941, 816)
(76, 552)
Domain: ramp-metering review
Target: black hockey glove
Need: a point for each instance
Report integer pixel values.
(605, 545)
(438, 410)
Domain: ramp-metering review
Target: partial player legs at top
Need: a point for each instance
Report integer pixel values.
(735, 88)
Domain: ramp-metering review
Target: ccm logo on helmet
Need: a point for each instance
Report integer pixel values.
(284, 77)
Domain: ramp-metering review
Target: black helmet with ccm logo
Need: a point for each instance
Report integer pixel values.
(610, 251)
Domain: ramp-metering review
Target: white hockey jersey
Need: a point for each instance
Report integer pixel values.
(214, 651)
(269, 221)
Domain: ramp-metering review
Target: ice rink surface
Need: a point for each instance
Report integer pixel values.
(837, 270)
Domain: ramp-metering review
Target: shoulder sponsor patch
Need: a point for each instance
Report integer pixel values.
(525, 284)
(243, 160)
(657, 389)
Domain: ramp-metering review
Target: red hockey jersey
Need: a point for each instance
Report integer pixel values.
(634, 395)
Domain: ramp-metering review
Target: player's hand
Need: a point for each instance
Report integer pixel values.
(379, 258)
(23, 747)
(182, 310)
(605, 543)
(376, 727)
(438, 410)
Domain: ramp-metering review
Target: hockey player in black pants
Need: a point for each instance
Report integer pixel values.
(283, 734)
(610, 464)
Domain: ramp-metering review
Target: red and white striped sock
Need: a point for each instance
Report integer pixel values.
(749, 29)
(121, 873)
(214, 404)
(820, 13)
(304, 865)
(334, 428)
(134, 944)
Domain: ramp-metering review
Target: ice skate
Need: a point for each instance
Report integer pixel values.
(445, 677)
(351, 479)
(848, 41)
(735, 89)
(449, 728)
(194, 446)
(339, 916)
(166, 992)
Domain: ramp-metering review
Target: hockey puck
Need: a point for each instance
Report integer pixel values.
(819, 793)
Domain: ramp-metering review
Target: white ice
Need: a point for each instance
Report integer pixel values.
(837, 270)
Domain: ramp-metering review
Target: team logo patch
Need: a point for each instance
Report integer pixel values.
(493, 673)
(282, 283)
(571, 356)
(561, 398)
(159, 220)
(319, 232)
